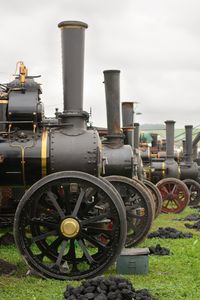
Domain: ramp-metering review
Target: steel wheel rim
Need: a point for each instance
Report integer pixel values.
(194, 190)
(83, 255)
(138, 196)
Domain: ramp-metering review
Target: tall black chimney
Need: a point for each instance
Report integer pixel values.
(72, 35)
(112, 90)
(188, 145)
(170, 138)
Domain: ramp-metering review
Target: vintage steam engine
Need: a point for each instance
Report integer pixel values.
(168, 173)
(70, 223)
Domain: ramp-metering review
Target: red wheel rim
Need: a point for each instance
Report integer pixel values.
(175, 195)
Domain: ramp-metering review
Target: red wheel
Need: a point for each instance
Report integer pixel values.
(175, 195)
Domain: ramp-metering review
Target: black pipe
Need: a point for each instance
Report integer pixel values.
(184, 148)
(72, 35)
(136, 135)
(127, 114)
(188, 146)
(170, 138)
(127, 122)
(112, 91)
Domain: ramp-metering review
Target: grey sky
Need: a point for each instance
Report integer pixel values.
(155, 44)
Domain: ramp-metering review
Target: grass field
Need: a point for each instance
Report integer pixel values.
(171, 277)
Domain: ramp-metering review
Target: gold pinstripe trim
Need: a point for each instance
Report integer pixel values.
(163, 169)
(179, 171)
(44, 153)
(3, 101)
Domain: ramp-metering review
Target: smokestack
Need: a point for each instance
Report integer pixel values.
(136, 135)
(112, 90)
(183, 144)
(72, 35)
(128, 120)
(170, 138)
(188, 146)
(128, 114)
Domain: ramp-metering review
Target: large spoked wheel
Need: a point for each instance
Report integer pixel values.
(194, 189)
(175, 195)
(139, 212)
(151, 199)
(70, 225)
(157, 197)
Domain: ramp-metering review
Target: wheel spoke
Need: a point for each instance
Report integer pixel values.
(177, 202)
(55, 244)
(85, 251)
(43, 223)
(61, 253)
(96, 230)
(93, 240)
(103, 217)
(78, 203)
(43, 236)
(174, 189)
(164, 190)
(167, 203)
(52, 197)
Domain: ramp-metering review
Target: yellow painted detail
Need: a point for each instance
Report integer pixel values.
(70, 227)
(179, 171)
(44, 153)
(163, 169)
(3, 101)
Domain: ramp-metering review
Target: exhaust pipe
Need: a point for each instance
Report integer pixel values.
(112, 91)
(188, 145)
(127, 122)
(169, 138)
(72, 36)
(136, 135)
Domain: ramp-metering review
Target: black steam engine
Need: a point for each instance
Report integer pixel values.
(70, 223)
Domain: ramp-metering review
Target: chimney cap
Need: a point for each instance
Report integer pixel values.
(111, 71)
(72, 24)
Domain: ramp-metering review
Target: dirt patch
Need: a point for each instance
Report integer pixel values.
(7, 239)
(6, 268)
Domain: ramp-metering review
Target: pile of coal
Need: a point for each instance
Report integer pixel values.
(193, 226)
(101, 288)
(6, 268)
(169, 233)
(195, 207)
(192, 217)
(158, 250)
(7, 239)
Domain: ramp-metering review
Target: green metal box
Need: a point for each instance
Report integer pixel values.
(133, 261)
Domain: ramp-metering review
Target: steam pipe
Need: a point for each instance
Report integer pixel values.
(188, 146)
(184, 147)
(127, 121)
(136, 135)
(170, 138)
(72, 36)
(112, 91)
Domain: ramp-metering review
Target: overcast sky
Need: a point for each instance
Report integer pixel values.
(155, 44)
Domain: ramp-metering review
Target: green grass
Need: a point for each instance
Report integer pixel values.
(171, 277)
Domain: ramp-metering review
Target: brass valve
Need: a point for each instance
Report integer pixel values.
(23, 72)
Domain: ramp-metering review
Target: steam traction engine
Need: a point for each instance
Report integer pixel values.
(70, 223)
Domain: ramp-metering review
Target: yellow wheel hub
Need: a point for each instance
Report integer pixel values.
(70, 227)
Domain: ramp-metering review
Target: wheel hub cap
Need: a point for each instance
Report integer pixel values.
(70, 227)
